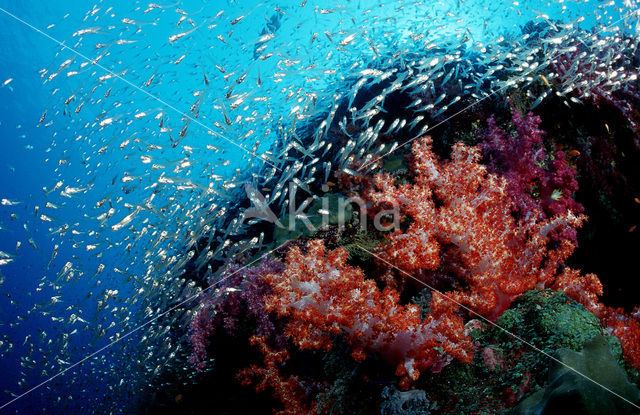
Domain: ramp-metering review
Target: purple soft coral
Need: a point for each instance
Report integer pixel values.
(537, 186)
(200, 330)
(238, 286)
(518, 158)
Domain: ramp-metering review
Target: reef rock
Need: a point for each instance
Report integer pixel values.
(571, 392)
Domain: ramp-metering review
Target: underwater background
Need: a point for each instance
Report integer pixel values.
(136, 136)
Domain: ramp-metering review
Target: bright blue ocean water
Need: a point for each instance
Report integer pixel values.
(85, 129)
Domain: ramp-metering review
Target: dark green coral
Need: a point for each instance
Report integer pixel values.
(331, 209)
(506, 370)
(551, 320)
(587, 382)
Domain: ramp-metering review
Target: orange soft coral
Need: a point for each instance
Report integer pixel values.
(322, 296)
(288, 390)
(586, 290)
(462, 225)
(627, 329)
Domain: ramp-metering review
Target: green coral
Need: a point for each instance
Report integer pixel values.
(395, 164)
(548, 320)
(551, 320)
(505, 370)
(423, 300)
(398, 166)
(359, 247)
(577, 382)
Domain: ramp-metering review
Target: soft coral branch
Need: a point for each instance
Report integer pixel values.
(462, 226)
(239, 289)
(289, 390)
(322, 296)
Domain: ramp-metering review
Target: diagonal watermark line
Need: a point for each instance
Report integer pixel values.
(218, 282)
(513, 335)
(150, 95)
(471, 311)
(502, 88)
(138, 328)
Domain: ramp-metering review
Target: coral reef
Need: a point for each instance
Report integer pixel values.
(322, 296)
(462, 226)
(458, 308)
(505, 370)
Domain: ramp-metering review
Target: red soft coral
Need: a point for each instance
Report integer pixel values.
(289, 391)
(627, 329)
(322, 296)
(462, 226)
(584, 289)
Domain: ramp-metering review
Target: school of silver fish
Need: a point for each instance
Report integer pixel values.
(154, 138)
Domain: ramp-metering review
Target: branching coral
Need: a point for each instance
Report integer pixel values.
(289, 391)
(322, 296)
(201, 329)
(462, 225)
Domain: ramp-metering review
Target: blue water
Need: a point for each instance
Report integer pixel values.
(45, 141)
